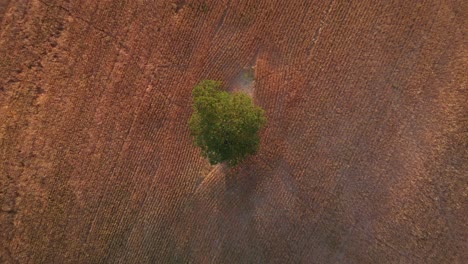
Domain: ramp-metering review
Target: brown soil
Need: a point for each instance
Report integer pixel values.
(364, 158)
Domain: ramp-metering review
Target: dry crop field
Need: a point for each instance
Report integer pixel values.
(363, 160)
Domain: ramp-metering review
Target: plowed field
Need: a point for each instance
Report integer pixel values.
(363, 160)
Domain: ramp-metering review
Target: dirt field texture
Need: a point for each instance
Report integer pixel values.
(364, 158)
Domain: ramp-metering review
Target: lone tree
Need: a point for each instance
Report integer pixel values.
(225, 126)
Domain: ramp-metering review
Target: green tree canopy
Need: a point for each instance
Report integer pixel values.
(225, 126)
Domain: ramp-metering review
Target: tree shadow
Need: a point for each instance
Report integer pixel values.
(219, 224)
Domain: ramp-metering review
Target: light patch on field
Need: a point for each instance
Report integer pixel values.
(245, 81)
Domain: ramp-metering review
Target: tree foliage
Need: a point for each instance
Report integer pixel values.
(225, 126)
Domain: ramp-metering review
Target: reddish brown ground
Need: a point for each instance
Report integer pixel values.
(364, 159)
